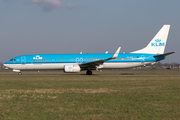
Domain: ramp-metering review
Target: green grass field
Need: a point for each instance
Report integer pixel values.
(91, 97)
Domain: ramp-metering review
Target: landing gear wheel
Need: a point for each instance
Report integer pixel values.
(19, 73)
(89, 72)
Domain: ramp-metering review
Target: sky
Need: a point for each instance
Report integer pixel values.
(88, 26)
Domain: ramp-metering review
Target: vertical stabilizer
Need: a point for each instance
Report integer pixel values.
(158, 43)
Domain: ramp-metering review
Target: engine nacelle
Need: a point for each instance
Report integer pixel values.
(72, 68)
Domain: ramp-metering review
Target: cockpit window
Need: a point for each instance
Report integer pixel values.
(12, 59)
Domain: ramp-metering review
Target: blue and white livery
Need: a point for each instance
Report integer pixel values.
(71, 63)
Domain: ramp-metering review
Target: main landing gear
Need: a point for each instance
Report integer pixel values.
(89, 72)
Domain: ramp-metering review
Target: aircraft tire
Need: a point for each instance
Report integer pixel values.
(89, 72)
(19, 73)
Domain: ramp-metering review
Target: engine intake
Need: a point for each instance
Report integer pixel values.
(72, 68)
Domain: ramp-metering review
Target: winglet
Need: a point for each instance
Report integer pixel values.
(116, 53)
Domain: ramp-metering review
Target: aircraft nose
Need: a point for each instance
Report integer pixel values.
(6, 65)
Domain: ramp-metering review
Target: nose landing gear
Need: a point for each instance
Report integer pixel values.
(19, 73)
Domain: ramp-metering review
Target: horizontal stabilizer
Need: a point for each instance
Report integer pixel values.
(166, 54)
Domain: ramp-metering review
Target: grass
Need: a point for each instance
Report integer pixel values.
(90, 97)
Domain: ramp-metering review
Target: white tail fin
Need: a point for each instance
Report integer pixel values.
(158, 43)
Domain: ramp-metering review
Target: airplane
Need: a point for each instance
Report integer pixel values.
(74, 63)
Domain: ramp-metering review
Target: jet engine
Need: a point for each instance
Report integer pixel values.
(72, 68)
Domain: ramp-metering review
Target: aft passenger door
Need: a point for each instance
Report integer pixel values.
(142, 58)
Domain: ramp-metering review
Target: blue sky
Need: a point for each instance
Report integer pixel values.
(67, 26)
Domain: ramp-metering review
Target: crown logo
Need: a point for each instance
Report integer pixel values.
(37, 57)
(158, 40)
(70, 67)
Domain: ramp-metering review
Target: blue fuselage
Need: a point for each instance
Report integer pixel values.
(81, 58)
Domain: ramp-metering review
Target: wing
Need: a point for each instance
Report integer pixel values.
(96, 63)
